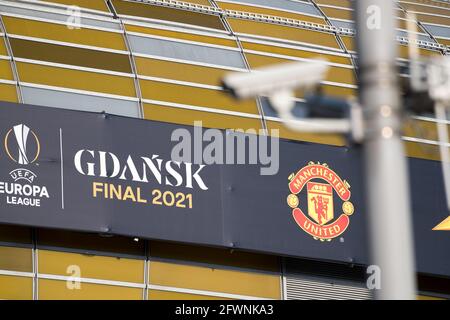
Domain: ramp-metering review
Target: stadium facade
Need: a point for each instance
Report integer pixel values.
(163, 60)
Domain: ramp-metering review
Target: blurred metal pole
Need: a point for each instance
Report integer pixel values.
(386, 176)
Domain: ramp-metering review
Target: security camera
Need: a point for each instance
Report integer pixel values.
(269, 80)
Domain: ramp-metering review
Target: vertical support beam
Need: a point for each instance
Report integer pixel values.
(386, 176)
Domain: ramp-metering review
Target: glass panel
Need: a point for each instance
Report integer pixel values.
(343, 24)
(214, 279)
(97, 267)
(307, 37)
(297, 6)
(300, 52)
(179, 71)
(270, 12)
(5, 70)
(57, 15)
(16, 259)
(167, 14)
(99, 5)
(170, 295)
(16, 288)
(229, 41)
(186, 51)
(57, 32)
(70, 55)
(8, 92)
(300, 110)
(209, 119)
(422, 37)
(438, 31)
(58, 290)
(82, 102)
(76, 79)
(193, 96)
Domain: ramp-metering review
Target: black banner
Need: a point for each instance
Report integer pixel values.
(109, 174)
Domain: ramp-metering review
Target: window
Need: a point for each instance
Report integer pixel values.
(78, 101)
(186, 51)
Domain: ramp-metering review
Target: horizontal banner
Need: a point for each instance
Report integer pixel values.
(109, 174)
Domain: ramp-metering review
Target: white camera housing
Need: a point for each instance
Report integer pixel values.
(281, 77)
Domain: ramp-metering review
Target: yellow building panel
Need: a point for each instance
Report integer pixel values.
(433, 19)
(182, 35)
(425, 9)
(16, 259)
(209, 119)
(445, 42)
(424, 297)
(35, 50)
(3, 51)
(239, 259)
(98, 267)
(423, 130)
(270, 12)
(16, 288)
(59, 32)
(349, 43)
(146, 10)
(179, 71)
(284, 32)
(337, 13)
(335, 74)
(403, 52)
(99, 5)
(8, 92)
(194, 96)
(58, 290)
(213, 279)
(76, 79)
(337, 3)
(422, 151)
(338, 91)
(294, 52)
(170, 295)
(5, 70)
(201, 2)
(331, 139)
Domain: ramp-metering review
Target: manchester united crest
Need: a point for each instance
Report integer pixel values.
(320, 184)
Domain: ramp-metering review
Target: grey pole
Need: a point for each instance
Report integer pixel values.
(386, 176)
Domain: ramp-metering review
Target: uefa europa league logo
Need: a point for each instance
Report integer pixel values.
(25, 147)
